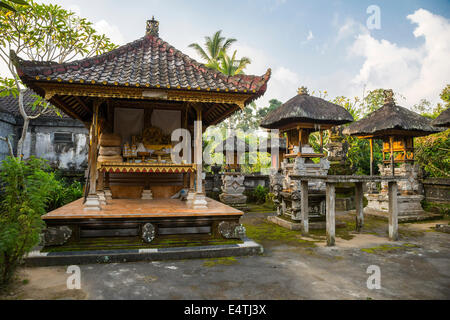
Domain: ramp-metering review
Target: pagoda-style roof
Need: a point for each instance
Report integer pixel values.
(304, 108)
(443, 120)
(390, 120)
(148, 68)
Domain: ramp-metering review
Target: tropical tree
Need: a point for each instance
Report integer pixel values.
(43, 32)
(214, 46)
(231, 66)
(5, 6)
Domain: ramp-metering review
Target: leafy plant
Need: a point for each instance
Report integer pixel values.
(62, 193)
(42, 32)
(25, 187)
(433, 154)
(259, 194)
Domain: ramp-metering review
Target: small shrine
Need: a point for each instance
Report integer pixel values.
(443, 120)
(232, 179)
(140, 102)
(396, 127)
(296, 120)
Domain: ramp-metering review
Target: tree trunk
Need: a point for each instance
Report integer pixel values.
(26, 122)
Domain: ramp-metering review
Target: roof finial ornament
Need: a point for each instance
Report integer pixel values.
(388, 97)
(302, 91)
(152, 27)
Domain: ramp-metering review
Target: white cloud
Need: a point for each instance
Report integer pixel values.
(309, 37)
(111, 31)
(349, 29)
(416, 73)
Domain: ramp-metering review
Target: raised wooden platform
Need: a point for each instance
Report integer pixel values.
(137, 208)
(127, 217)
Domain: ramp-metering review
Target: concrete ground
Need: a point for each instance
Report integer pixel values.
(292, 267)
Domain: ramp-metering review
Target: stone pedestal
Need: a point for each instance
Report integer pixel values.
(108, 194)
(190, 197)
(147, 194)
(101, 197)
(92, 203)
(200, 201)
(410, 192)
(233, 190)
(290, 197)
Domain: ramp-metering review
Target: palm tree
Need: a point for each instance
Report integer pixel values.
(231, 66)
(213, 47)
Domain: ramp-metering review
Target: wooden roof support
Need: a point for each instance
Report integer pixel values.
(57, 101)
(83, 105)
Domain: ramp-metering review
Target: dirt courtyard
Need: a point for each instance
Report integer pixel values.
(292, 267)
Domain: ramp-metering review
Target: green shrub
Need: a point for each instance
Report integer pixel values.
(25, 188)
(260, 194)
(62, 193)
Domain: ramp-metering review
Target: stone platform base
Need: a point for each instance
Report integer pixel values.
(238, 201)
(44, 259)
(298, 226)
(443, 228)
(408, 205)
(402, 219)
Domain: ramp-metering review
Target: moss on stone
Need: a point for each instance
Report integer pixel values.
(265, 231)
(388, 248)
(226, 261)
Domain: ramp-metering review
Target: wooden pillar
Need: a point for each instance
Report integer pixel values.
(300, 134)
(304, 205)
(359, 206)
(106, 180)
(321, 141)
(371, 156)
(331, 213)
(92, 200)
(393, 211)
(93, 151)
(198, 150)
(391, 146)
(100, 181)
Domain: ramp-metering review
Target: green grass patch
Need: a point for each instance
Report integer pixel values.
(253, 207)
(226, 261)
(388, 248)
(266, 231)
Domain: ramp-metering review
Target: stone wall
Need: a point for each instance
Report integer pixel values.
(7, 124)
(250, 182)
(69, 156)
(437, 190)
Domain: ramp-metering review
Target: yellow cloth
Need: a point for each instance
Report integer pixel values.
(157, 147)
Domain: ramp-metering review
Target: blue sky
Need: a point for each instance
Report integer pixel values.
(324, 45)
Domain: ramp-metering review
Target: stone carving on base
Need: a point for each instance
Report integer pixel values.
(233, 189)
(101, 197)
(290, 195)
(108, 194)
(410, 191)
(55, 236)
(148, 232)
(231, 230)
(92, 203)
(200, 201)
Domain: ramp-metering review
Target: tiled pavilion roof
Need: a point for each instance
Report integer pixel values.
(148, 63)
